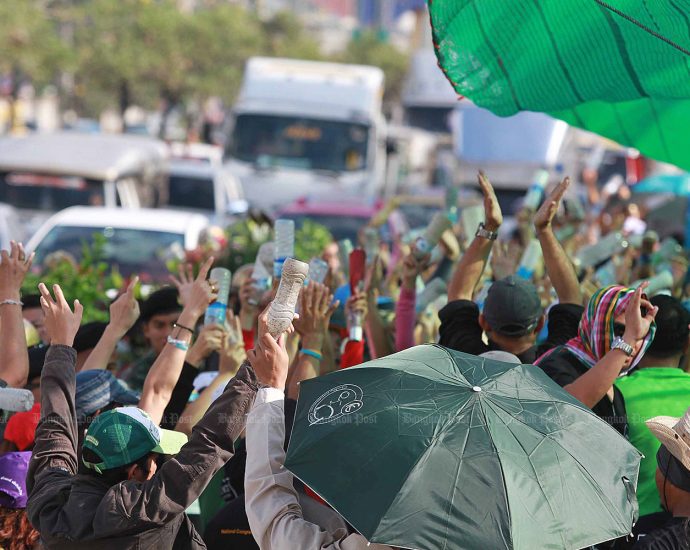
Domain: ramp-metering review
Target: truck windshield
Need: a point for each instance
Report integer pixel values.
(46, 192)
(297, 142)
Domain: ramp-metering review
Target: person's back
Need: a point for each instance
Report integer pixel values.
(657, 388)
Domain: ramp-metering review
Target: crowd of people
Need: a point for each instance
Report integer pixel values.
(155, 430)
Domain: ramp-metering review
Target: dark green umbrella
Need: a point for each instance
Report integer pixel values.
(431, 448)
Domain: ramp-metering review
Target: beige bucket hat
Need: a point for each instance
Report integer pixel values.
(674, 434)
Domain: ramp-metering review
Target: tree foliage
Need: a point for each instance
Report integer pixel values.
(367, 48)
(123, 52)
(30, 43)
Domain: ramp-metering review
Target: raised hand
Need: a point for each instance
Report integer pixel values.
(411, 268)
(544, 216)
(61, 323)
(14, 266)
(211, 338)
(357, 303)
(200, 293)
(493, 217)
(269, 358)
(316, 310)
(124, 311)
(184, 281)
(637, 326)
(233, 353)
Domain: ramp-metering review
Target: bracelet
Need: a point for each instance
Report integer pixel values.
(11, 303)
(178, 325)
(312, 353)
(179, 344)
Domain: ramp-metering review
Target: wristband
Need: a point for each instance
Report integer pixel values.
(178, 325)
(312, 353)
(179, 344)
(11, 303)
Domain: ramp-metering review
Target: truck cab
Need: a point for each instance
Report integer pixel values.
(307, 128)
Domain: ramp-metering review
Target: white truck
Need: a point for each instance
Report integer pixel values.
(304, 128)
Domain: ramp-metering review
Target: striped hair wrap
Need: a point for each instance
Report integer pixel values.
(595, 334)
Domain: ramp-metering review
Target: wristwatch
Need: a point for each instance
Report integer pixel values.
(619, 343)
(483, 232)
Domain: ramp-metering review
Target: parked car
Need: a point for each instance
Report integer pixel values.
(198, 181)
(43, 173)
(137, 242)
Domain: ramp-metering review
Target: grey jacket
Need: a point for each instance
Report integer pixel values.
(74, 511)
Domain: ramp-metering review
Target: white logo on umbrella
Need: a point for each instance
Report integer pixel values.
(336, 403)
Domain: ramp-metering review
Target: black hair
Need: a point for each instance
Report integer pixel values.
(31, 301)
(672, 331)
(111, 476)
(160, 302)
(88, 336)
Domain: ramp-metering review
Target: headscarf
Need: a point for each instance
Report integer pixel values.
(595, 333)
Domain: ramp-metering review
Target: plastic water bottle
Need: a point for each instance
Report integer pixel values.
(471, 217)
(660, 282)
(281, 312)
(433, 290)
(573, 207)
(432, 235)
(371, 243)
(592, 255)
(215, 312)
(284, 244)
(262, 272)
(318, 269)
(452, 204)
(535, 192)
(530, 260)
(606, 274)
(668, 249)
(344, 249)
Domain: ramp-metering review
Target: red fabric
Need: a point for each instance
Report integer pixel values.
(313, 495)
(353, 354)
(248, 337)
(21, 427)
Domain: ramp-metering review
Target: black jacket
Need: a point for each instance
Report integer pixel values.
(75, 512)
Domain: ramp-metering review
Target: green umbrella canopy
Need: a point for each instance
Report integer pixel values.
(431, 448)
(620, 68)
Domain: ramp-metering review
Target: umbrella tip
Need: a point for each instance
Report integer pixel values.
(476, 388)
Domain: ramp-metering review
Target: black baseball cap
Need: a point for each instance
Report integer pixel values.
(512, 307)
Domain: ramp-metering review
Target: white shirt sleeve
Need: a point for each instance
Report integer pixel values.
(274, 513)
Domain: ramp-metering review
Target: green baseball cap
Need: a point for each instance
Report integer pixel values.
(126, 434)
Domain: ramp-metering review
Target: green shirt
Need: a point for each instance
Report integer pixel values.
(650, 392)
